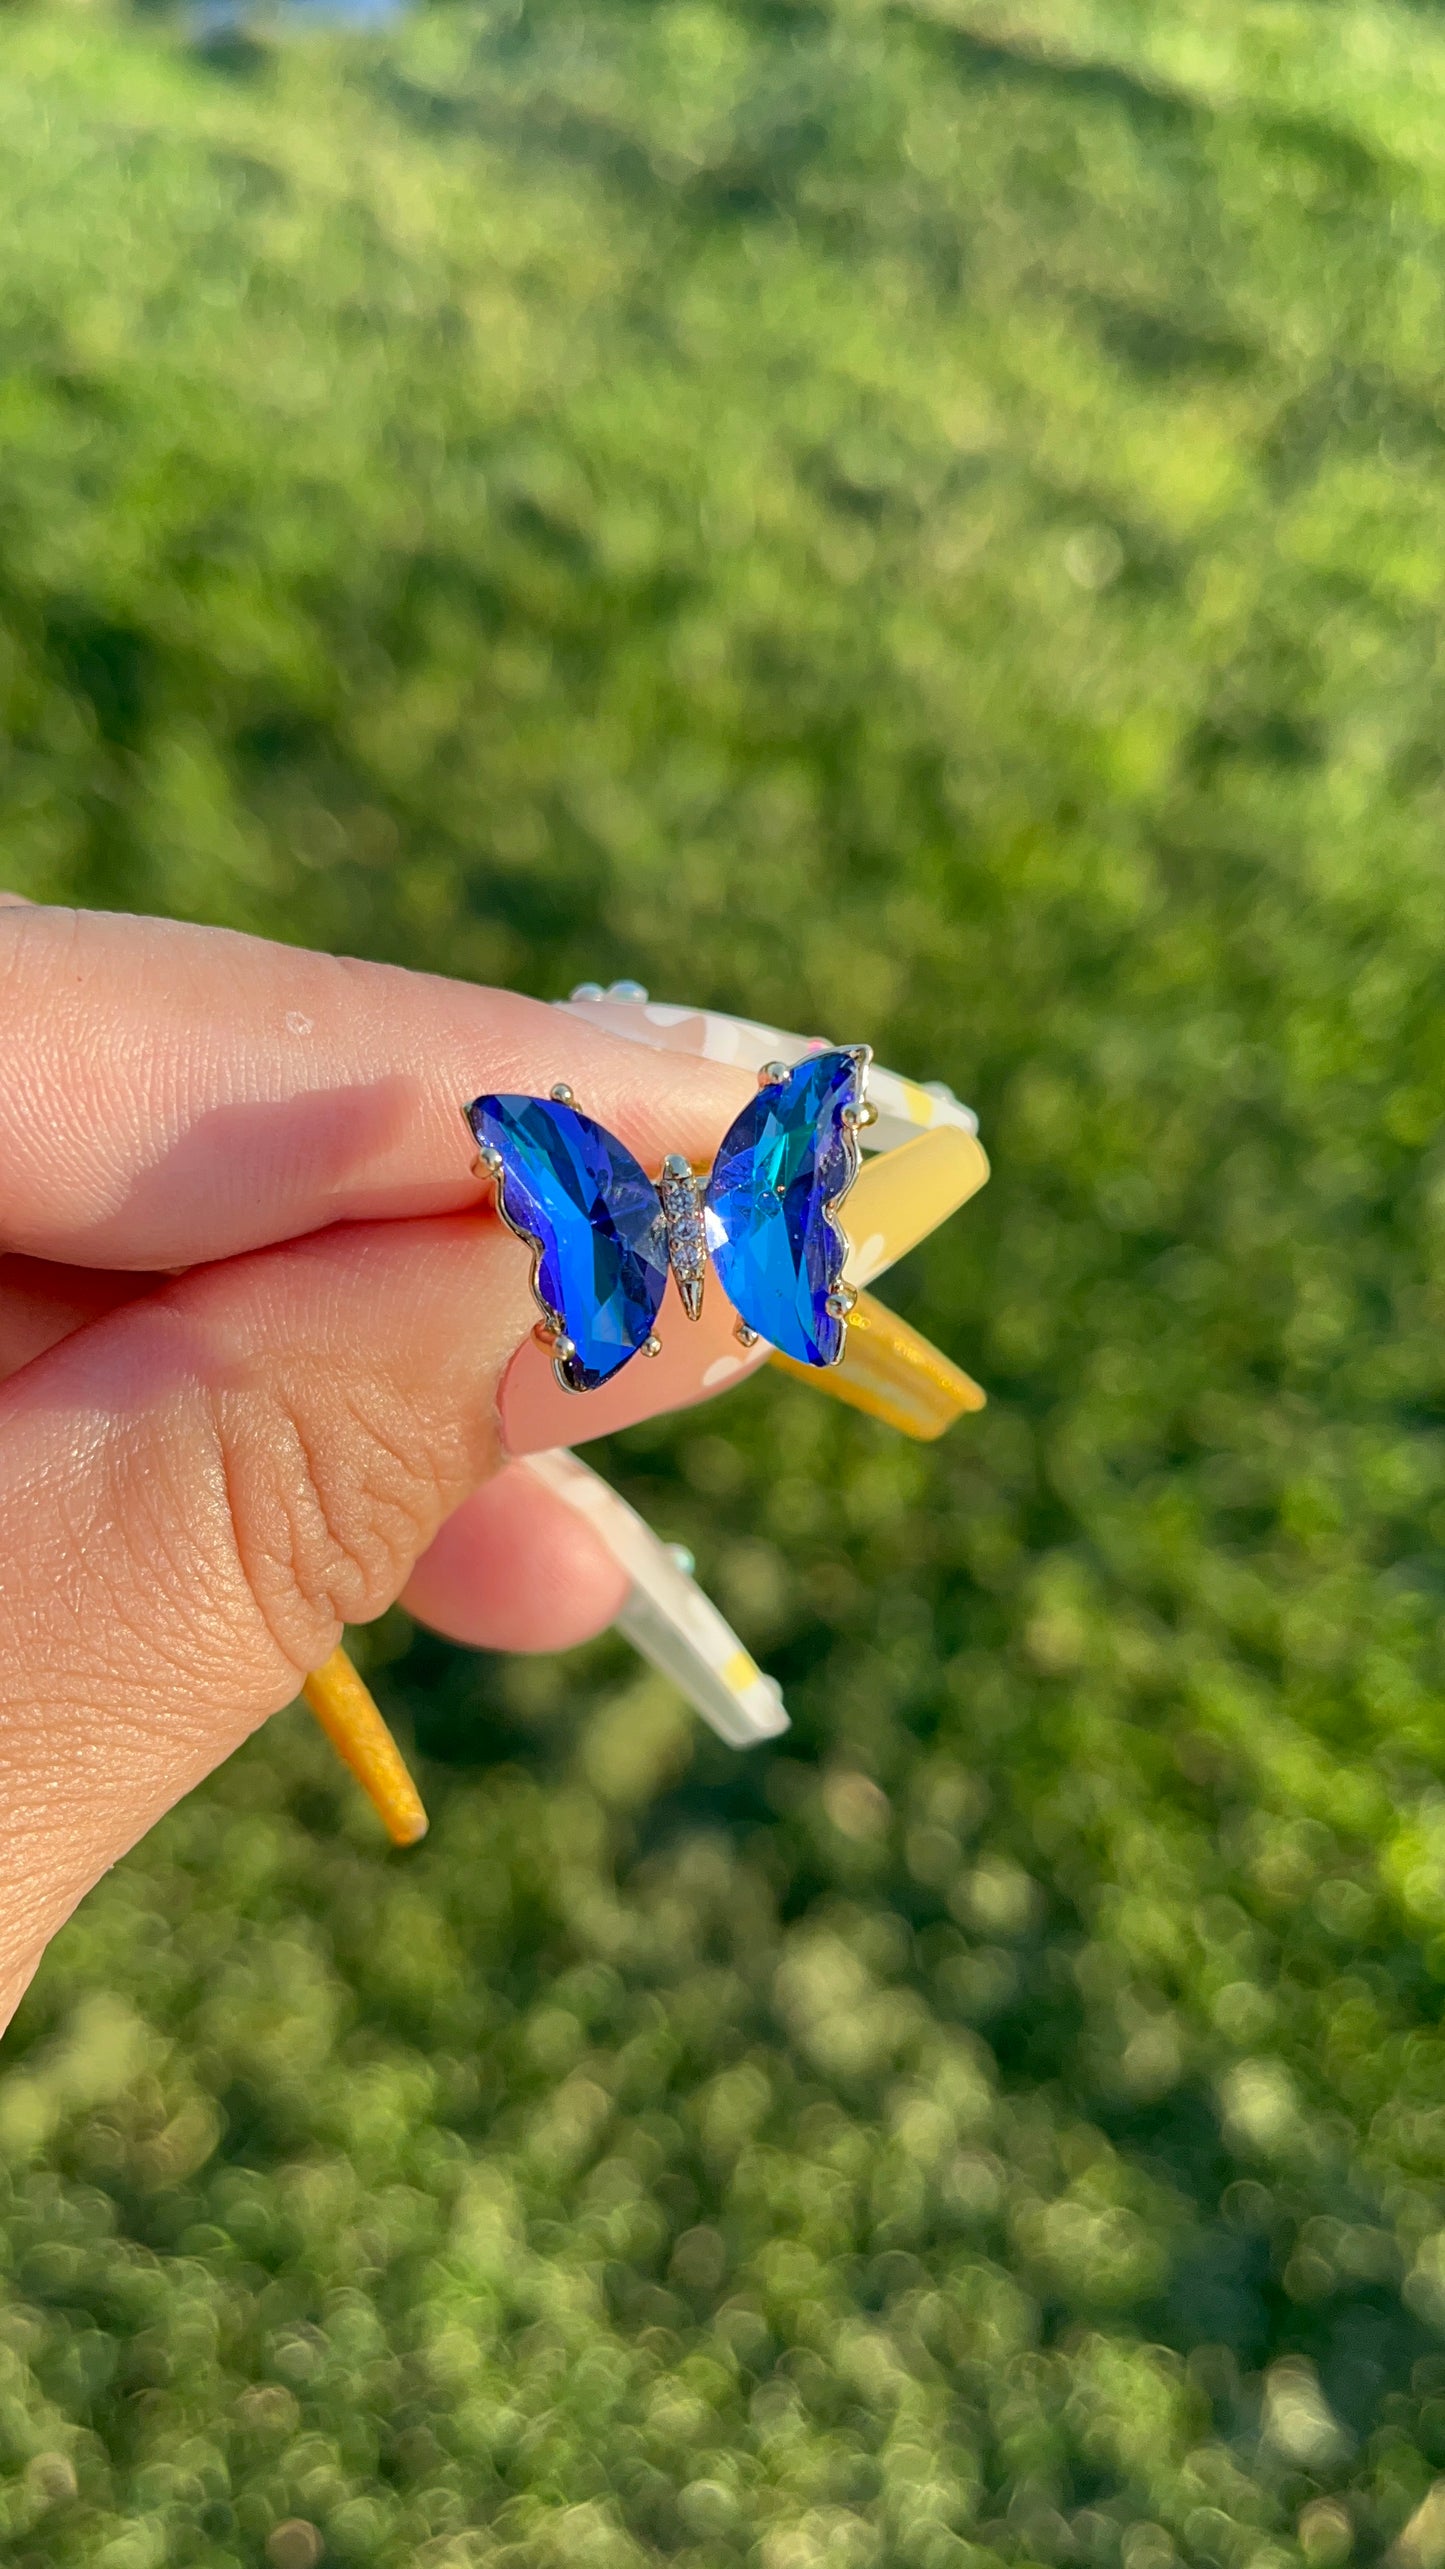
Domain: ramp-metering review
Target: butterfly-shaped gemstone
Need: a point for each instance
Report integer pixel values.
(604, 1237)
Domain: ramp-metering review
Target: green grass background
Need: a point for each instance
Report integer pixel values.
(923, 521)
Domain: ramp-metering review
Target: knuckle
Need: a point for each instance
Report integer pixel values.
(333, 1490)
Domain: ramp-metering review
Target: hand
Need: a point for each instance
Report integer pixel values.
(205, 1474)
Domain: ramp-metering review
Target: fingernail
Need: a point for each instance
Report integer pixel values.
(699, 1359)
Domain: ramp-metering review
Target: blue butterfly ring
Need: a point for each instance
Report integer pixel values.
(605, 1238)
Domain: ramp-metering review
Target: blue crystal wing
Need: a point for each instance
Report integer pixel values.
(770, 1208)
(595, 1223)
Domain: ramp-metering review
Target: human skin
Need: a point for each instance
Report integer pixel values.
(255, 1317)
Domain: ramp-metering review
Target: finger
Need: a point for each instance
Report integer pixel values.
(508, 1572)
(41, 1303)
(172, 1094)
(196, 1493)
(512, 1568)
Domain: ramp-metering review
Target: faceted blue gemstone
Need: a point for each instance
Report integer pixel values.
(777, 1250)
(594, 1217)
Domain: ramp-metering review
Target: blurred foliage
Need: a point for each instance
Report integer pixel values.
(926, 523)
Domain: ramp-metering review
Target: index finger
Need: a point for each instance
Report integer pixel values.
(172, 1094)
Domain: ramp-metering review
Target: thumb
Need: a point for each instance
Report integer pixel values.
(196, 1493)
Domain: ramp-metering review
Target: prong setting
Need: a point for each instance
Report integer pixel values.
(650, 1347)
(561, 1094)
(772, 1073)
(745, 1336)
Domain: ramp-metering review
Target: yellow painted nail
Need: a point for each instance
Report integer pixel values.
(345, 1708)
(892, 1373)
(900, 1196)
